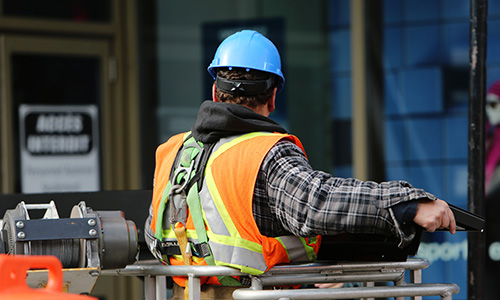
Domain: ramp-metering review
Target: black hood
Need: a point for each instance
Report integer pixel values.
(216, 120)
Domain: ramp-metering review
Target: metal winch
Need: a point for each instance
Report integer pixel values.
(88, 239)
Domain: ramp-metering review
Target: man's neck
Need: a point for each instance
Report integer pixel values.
(261, 110)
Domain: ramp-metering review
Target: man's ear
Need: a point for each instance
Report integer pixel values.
(271, 104)
(214, 94)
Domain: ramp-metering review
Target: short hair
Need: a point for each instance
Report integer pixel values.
(242, 74)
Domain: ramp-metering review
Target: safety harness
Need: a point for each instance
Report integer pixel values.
(181, 193)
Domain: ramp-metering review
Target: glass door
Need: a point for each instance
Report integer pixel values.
(55, 102)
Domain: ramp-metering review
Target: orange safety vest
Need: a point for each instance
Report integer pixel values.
(226, 200)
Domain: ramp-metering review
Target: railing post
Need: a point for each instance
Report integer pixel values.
(155, 287)
(194, 287)
(416, 277)
(256, 283)
(161, 287)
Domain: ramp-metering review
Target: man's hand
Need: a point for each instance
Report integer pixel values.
(433, 215)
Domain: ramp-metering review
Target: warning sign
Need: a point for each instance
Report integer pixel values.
(59, 148)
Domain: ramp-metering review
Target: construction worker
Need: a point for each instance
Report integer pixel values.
(254, 200)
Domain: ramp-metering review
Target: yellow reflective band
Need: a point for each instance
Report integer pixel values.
(238, 256)
(237, 140)
(221, 208)
(244, 269)
(297, 248)
(284, 247)
(309, 249)
(236, 242)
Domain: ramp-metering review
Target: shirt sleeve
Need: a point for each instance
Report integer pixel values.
(404, 212)
(310, 202)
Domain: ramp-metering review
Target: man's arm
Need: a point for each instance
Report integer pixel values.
(309, 202)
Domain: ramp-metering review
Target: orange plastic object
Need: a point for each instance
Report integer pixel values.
(13, 272)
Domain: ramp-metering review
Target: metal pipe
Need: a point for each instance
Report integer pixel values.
(256, 283)
(476, 203)
(410, 264)
(155, 269)
(155, 287)
(194, 287)
(321, 278)
(444, 290)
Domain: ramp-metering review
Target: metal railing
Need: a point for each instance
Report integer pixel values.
(320, 272)
(411, 290)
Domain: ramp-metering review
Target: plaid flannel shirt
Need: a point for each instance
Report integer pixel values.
(292, 198)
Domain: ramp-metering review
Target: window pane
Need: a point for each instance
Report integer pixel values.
(66, 10)
(55, 79)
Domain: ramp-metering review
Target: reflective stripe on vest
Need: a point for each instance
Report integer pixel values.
(296, 248)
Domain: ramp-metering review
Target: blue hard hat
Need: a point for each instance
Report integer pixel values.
(248, 49)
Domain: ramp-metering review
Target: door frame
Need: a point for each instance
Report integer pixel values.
(120, 116)
(11, 44)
